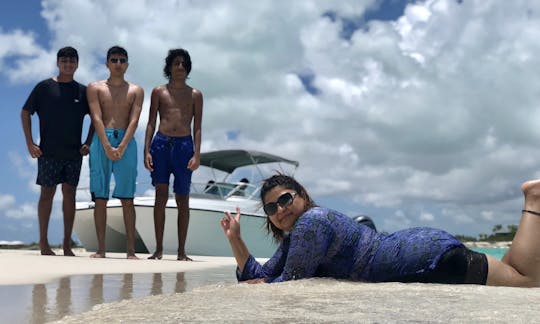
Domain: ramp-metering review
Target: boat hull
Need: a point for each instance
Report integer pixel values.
(115, 233)
(205, 235)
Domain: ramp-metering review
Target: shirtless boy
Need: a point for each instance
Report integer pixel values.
(115, 107)
(60, 151)
(173, 149)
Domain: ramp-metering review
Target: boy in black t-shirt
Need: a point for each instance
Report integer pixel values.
(61, 105)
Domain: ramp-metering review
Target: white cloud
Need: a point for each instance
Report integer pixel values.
(26, 168)
(30, 58)
(6, 201)
(427, 217)
(438, 109)
(24, 211)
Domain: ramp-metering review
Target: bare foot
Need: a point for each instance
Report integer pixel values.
(157, 255)
(98, 255)
(531, 190)
(132, 257)
(47, 251)
(68, 252)
(183, 258)
(528, 185)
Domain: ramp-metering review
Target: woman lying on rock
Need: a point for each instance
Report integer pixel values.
(320, 242)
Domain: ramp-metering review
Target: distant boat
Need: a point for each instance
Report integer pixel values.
(207, 203)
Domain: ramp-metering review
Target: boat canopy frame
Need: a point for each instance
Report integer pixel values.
(229, 160)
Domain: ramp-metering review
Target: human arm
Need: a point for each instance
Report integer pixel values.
(254, 272)
(135, 113)
(249, 270)
(194, 162)
(92, 95)
(151, 129)
(85, 148)
(33, 148)
(309, 243)
(231, 227)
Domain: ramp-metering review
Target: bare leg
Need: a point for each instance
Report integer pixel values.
(100, 218)
(520, 266)
(68, 206)
(44, 215)
(129, 222)
(182, 202)
(162, 195)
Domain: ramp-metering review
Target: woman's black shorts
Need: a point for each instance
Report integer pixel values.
(457, 266)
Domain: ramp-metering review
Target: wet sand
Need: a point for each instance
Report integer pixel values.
(167, 291)
(40, 289)
(42, 303)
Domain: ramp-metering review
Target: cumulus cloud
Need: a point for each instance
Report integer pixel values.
(26, 169)
(24, 211)
(427, 217)
(6, 201)
(435, 111)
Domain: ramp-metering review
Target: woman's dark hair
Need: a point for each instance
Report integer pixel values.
(287, 182)
(173, 53)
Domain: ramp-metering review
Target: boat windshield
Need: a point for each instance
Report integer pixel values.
(227, 189)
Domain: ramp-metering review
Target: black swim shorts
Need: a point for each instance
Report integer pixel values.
(457, 266)
(53, 171)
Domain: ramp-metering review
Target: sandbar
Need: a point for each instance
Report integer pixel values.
(21, 267)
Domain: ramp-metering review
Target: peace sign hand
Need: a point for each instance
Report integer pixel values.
(231, 225)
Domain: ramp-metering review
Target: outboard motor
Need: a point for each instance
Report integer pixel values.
(365, 220)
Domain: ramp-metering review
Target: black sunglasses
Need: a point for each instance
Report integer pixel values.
(115, 60)
(283, 201)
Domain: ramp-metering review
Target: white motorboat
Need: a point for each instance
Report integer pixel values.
(208, 201)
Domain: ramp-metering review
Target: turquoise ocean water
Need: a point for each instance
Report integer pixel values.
(494, 252)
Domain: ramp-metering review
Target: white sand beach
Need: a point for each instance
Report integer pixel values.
(29, 267)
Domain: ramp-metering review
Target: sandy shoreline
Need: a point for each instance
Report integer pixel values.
(311, 300)
(29, 267)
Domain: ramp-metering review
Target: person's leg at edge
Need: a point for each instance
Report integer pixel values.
(44, 215)
(520, 266)
(182, 203)
(100, 218)
(129, 222)
(162, 195)
(68, 206)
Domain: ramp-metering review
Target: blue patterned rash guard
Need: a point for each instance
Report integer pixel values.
(326, 243)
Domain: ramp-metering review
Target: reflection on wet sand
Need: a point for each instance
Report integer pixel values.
(39, 303)
(96, 291)
(77, 294)
(63, 297)
(127, 286)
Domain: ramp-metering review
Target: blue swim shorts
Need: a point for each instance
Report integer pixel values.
(171, 155)
(54, 171)
(101, 168)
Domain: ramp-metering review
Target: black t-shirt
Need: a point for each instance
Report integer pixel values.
(61, 107)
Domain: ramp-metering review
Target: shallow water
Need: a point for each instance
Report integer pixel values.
(42, 303)
(327, 300)
(493, 251)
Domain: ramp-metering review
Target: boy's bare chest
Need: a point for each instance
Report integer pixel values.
(177, 100)
(116, 97)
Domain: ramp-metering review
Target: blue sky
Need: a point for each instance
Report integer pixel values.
(417, 113)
